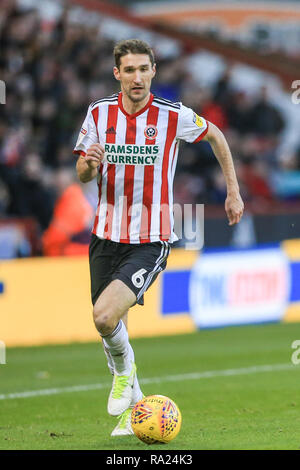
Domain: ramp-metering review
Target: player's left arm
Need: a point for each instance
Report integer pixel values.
(234, 205)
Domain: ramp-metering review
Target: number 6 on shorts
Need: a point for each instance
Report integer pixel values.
(137, 278)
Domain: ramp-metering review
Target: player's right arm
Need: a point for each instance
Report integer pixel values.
(87, 165)
(88, 148)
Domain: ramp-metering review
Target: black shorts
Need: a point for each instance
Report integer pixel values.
(137, 265)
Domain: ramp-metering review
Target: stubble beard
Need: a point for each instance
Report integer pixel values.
(137, 99)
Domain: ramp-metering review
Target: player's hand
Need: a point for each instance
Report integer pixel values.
(234, 207)
(94, 155)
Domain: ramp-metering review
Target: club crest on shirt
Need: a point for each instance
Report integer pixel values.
(83, 131)
(150, 132)
(197, 120)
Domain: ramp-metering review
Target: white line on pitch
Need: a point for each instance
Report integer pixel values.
(168, 378)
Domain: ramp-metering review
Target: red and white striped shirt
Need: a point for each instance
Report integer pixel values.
(136, 176)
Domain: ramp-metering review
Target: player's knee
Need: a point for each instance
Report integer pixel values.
(104, 322)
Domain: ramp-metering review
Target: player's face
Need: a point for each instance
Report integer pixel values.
(135, 74)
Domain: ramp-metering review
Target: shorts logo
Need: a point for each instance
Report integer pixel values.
(150, 132)
(83, 131)
(198, 120)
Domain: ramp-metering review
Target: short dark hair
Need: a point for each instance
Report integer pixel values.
(133, 46)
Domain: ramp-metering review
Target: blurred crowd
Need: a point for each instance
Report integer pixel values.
(52, 72)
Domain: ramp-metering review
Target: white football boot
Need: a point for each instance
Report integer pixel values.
(121, 393)
(123, 427)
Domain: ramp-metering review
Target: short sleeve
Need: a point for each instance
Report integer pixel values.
(88, 134)
(191, 127)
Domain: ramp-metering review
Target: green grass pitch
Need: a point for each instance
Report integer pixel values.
(227, 398)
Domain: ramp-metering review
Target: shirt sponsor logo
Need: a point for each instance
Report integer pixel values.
(128, 154)
(150, 132)
(198, 120)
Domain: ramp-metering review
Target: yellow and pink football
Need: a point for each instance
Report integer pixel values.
(156, 419)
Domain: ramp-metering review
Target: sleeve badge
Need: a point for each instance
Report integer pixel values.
(198, 120)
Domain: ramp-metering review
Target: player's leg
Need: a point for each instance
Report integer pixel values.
(111, 306)
(110, 363)
(138, 270)
(137, 392)
(108, 311)
(124, 428)
(133, 270)
(103, 258)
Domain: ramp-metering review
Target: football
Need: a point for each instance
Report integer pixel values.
(156, 419)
